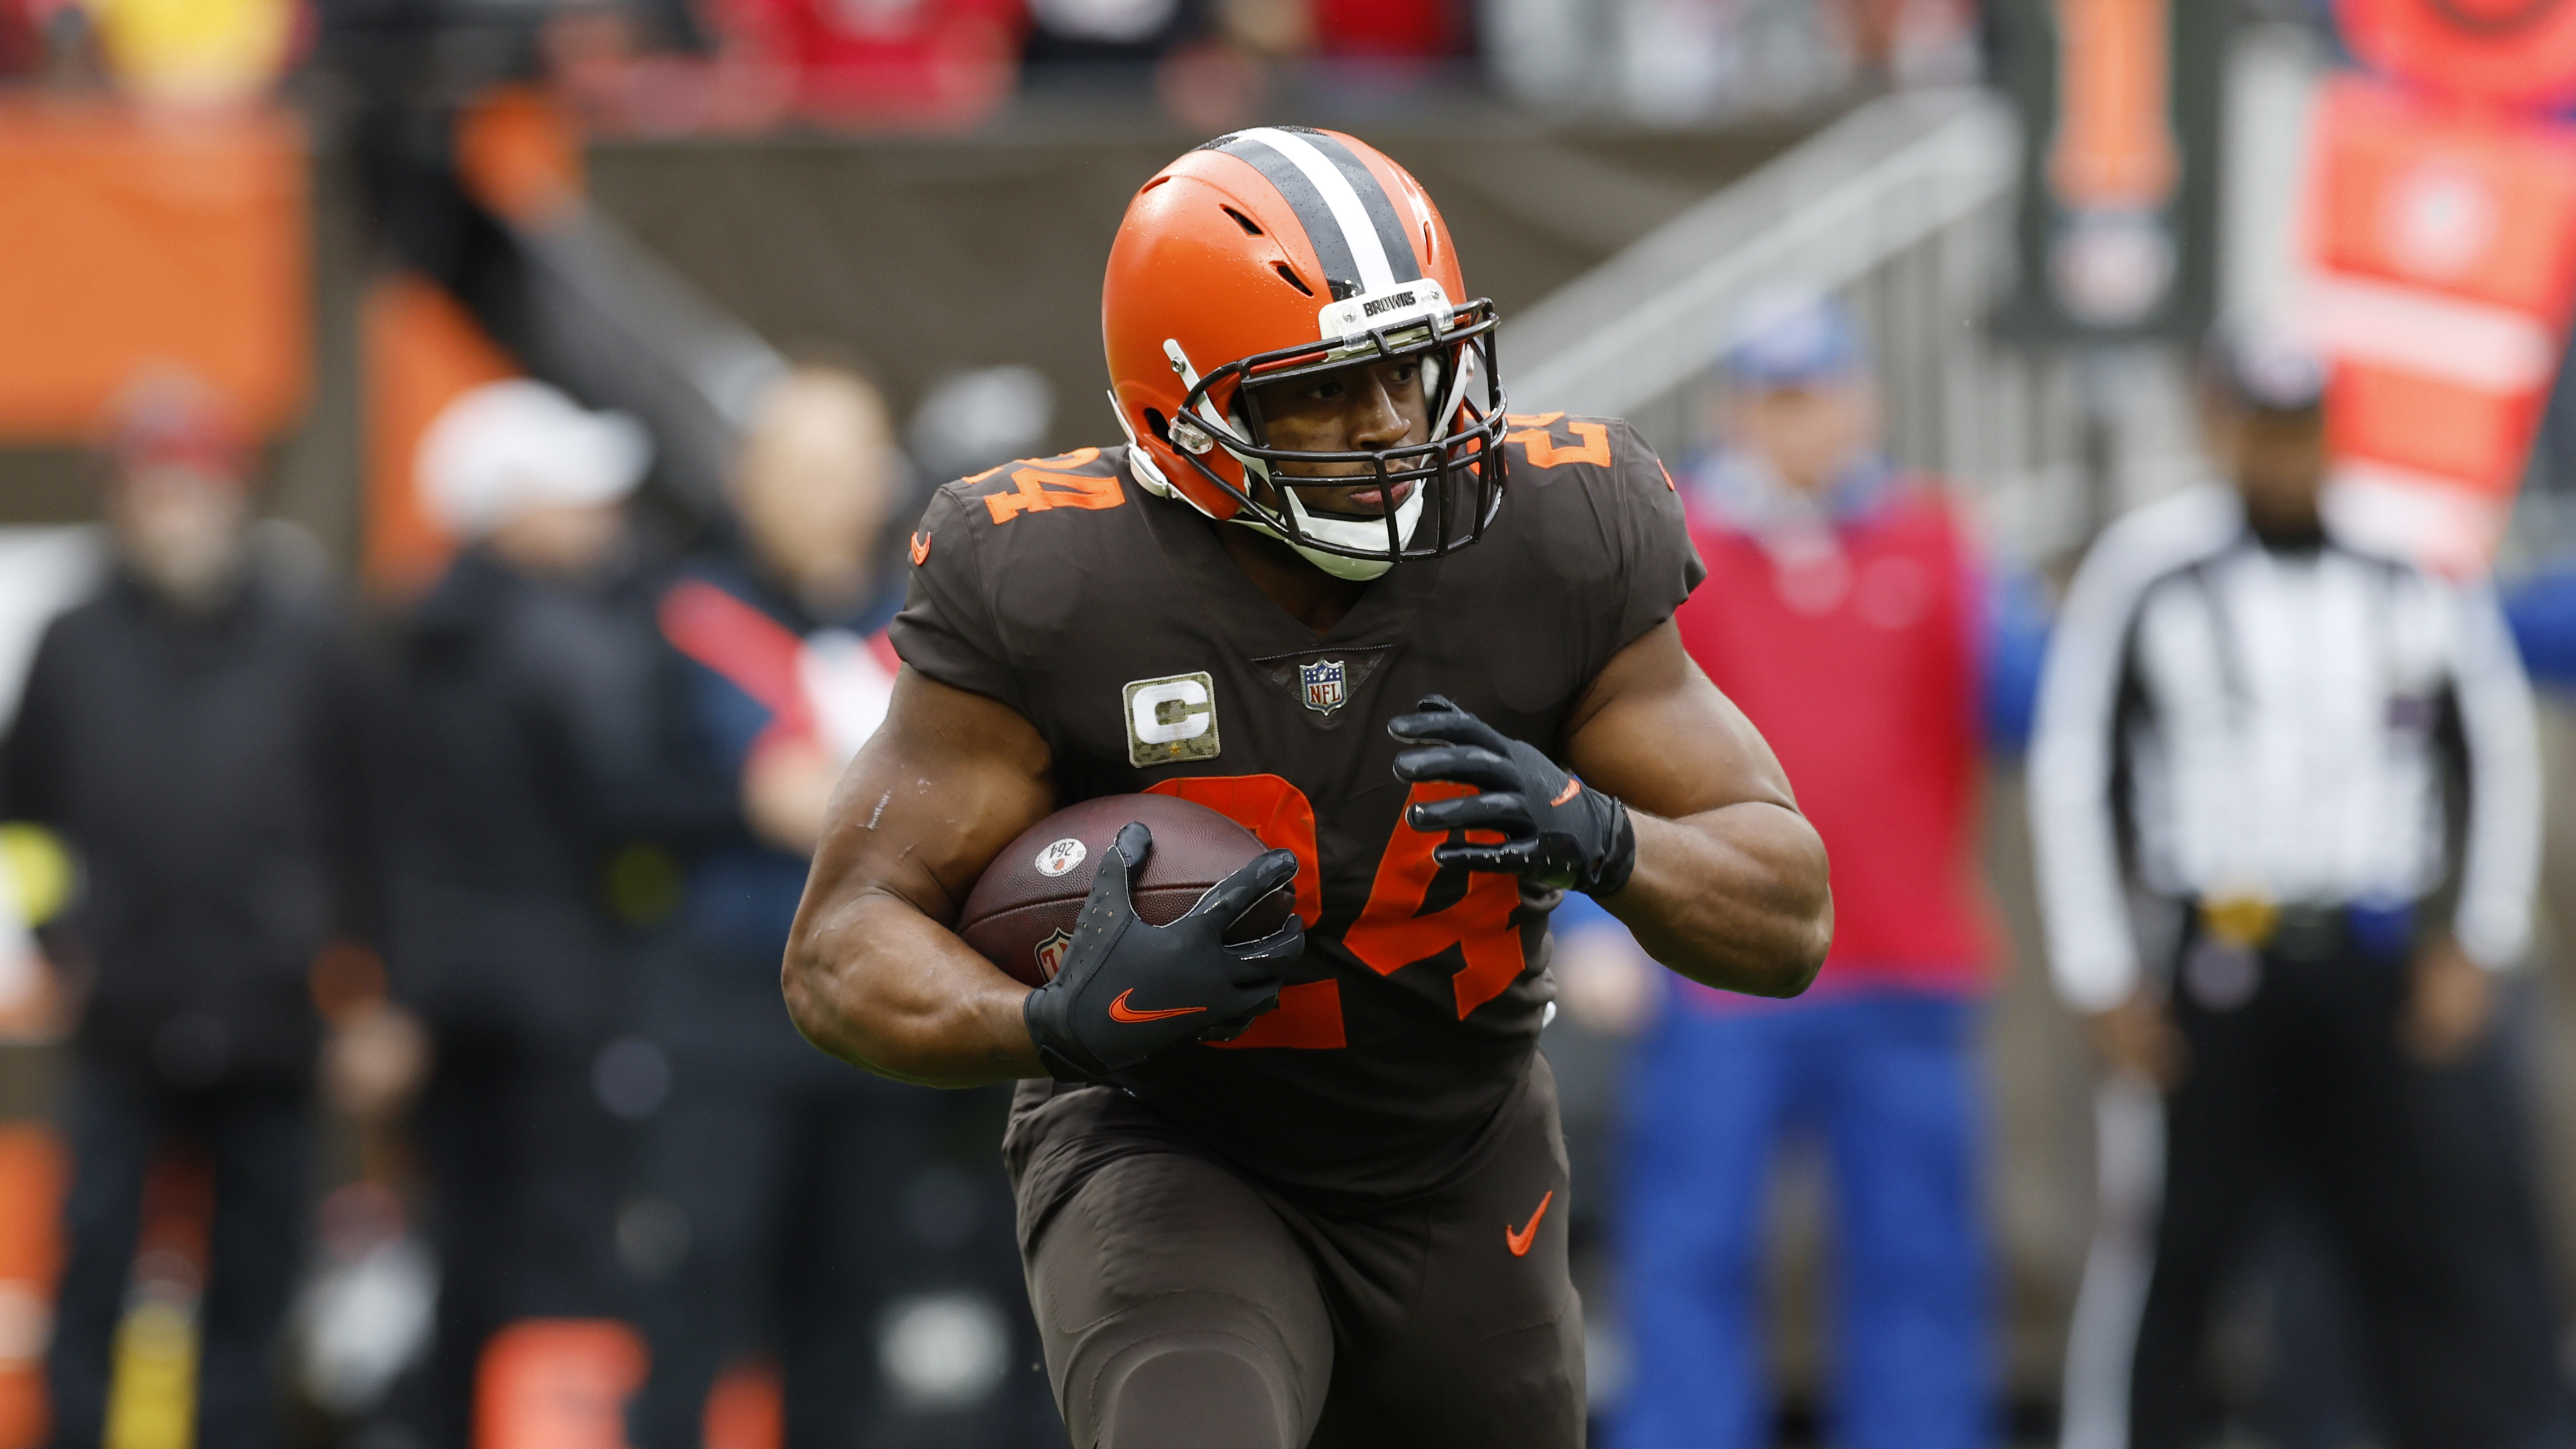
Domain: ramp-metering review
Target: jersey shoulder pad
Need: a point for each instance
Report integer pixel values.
(1001, 562)
(1561, 442)
(1593, 524)
(1597, 465)
(1590, 505)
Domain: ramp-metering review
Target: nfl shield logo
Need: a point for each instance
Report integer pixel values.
(1324, 682)
(1050, 954)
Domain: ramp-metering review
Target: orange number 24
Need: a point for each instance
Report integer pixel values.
(1041, 489)
(1540, 444)
(1392, 931)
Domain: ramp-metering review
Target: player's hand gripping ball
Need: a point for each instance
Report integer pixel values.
(1175, 941)
(1555, 830)
(1129, 989)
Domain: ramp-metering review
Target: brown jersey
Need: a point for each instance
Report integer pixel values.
(1113, 619)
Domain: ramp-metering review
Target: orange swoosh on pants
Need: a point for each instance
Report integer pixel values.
(1519, 1242)
(1119, 1010)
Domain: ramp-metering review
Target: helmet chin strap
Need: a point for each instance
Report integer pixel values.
(1348, 532)
(1358, 570)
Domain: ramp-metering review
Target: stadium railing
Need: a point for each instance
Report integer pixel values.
(1904, 208)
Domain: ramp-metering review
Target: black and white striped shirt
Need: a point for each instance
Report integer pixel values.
(2227, 720)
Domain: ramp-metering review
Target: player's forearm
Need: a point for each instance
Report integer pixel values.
(1734, 898)
(880, 985)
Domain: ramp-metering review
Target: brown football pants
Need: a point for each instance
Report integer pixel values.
(1185, 1307)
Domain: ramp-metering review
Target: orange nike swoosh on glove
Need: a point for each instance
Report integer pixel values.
(1119, 1010)
(1519, 1242)
(1572, 789)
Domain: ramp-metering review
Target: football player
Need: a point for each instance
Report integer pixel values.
(1273, 1196)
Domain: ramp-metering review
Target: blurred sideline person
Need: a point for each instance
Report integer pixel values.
(520, 746)
(1851, 616)
(777, 1213)
(192, 732)
(2540, 607)
(2279, 737)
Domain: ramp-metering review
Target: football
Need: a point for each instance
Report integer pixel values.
(1021, 913)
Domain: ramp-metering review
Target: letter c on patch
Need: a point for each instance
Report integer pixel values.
(1170, 711)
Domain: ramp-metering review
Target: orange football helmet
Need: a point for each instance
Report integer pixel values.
(1279, 252)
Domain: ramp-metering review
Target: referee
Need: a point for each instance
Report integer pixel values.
(2287, 806)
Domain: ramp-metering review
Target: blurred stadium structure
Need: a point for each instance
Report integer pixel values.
(1901, 207)
(1619, 176)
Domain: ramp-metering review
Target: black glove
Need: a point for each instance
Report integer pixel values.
(1555, 830)
(1127, 990)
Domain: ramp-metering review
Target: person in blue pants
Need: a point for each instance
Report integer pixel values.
(1852, 616)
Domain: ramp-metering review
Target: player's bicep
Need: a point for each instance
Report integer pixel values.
(1655, 732)
(942, 786)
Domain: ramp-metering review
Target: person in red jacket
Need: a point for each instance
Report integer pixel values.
(1852, 616)
(936, 65)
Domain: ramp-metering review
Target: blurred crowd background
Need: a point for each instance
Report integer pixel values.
(455, 464)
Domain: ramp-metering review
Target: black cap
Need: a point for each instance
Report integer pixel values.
(2268, 370)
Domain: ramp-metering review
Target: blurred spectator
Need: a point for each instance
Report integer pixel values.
(42, 572)
(170, 52)
(973, 420)
(1912, 42)
(2541, 608)
(782, 1205)
(1851, 616)
(1220, 75)
(22, 966)
(55, 41)
(195, 52)
(1688, 60)
(2321, 765)
(1540, 52)
(1389, 30)
(1118, 37)
(921, 63)
(192, 733)
(22, 40)
(521, 750)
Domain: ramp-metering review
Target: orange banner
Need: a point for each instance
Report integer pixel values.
(2520, 52)
(420, 350)
(2443, 236)
(133, 242)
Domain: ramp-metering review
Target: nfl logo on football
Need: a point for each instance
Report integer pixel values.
(1050, 954)
(1325, 690)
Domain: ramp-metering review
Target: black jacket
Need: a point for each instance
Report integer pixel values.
(528, 782)
(206, 772)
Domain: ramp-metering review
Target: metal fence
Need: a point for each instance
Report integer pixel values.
(1904, 208)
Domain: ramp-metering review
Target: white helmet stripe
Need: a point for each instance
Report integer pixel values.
(1350, 216)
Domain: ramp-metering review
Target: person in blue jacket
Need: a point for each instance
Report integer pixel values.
(786, 1208)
